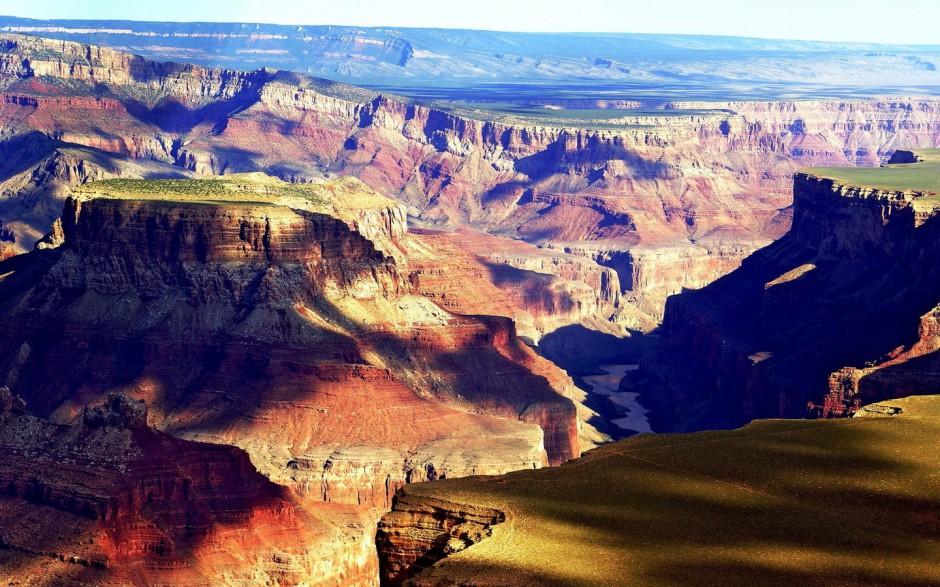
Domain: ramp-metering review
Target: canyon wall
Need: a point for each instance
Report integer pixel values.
(852, 284)
(666, 200)
(153, 274)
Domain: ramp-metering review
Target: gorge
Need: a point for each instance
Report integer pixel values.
(837, 318)
(246, 316)
(283, 320)
(839, 312)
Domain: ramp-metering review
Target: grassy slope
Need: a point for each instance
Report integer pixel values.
(250, 189)
(842, 502)
(915, 177)
(245, 188)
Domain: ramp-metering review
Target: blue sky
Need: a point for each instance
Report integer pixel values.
(907, 22)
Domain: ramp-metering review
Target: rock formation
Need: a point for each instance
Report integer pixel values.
(285, 320)
(108, 500)
(419, 532)
(840, 312)
(177, 292)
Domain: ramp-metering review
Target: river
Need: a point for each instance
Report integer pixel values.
(608, 385)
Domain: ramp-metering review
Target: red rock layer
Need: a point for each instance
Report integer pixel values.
(289, 334)
(110, 501)
(200, 275)
(144, 239)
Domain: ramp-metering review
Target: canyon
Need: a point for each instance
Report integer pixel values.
(837, 318)
(247, 313)
(634, 209)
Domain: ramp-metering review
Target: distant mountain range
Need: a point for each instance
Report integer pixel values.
(447, 61)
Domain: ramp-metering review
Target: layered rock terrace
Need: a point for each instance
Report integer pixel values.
(666, 201)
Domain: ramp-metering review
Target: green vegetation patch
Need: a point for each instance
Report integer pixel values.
(248, 189)
(588, 118)
(923, 176)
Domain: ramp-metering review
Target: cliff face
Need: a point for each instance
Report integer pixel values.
(852, 283)
(688, 194)
(143, 245)
(419, 532)
(215, 278)
(540, 289)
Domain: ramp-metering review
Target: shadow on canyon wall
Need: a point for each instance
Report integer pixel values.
(83, 344)
(762, 341)
(558, 158)
(581, 350)
(21, 152)
(185, 493)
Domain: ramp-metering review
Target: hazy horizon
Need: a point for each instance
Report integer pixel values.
(839, 21)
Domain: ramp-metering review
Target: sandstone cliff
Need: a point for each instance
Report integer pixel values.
(189, 288)
(852, 284)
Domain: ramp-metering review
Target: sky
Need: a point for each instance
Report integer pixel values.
(876, 21)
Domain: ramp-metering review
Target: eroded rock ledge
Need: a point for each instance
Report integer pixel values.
(420, 531)
(109, 493)
(689, 196)
(286, 321)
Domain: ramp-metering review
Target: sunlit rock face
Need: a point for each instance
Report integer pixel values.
(840, 312)
(108, 500)
(292, 327)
